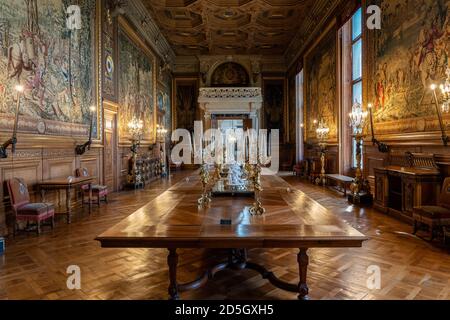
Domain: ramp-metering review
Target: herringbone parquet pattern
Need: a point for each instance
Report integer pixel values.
(35, 267)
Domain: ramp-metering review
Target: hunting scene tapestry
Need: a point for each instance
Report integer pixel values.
(53, 63)
(136, 88)
(411, 52)
(320, 86)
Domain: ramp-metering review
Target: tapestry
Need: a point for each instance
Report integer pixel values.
(136, 87)
(411, 53)
(274, 97)
(109, 74)
(186, 105)
(164, 106)
(320, 86)
(54, 64)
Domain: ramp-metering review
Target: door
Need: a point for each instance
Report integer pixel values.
(110, 150)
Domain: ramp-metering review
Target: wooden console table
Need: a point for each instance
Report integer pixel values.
(66, 184)
(398, 189)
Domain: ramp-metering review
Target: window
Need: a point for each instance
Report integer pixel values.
(299, 116)
(351, 71)
(356, 65)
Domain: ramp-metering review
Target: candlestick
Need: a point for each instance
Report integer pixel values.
(19, 90)
(444, 137)
(382, 147)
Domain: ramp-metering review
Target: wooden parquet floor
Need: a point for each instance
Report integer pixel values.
(35, 267)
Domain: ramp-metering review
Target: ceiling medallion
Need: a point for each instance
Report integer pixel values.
(228, 14)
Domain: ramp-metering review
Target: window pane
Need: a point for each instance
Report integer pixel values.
(357, 60)
(357, 24)
(357, 92)
(354, 161)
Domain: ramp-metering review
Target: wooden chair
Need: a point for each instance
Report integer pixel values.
(24, 209)
(98, 191)
(436, 217)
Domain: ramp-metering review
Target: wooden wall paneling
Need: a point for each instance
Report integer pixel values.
(124, 157)
(58, 167)
(93, 165)
(332, 159)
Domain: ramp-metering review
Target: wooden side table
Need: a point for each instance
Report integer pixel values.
(66, 184)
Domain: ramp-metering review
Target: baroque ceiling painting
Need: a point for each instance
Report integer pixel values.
(320, 70)
(411, 52)
(136, 87)
(54, 64)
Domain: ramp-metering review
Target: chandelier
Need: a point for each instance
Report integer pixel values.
(161, 132)
(135, 127)
(358, 118)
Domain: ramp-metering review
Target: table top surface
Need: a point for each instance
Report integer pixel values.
(66, 181)
(174, 220)
(340, 177)
(411, 170)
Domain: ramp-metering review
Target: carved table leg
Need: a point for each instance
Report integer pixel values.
(303, 260)
(172, 261)
(90, 198)
(68, 205)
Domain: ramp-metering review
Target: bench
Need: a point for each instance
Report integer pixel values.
(344, 181)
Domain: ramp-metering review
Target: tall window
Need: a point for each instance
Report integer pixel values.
(350, 48)
(299, 115)
(356, 43)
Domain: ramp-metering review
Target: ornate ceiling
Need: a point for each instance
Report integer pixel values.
(221, 27)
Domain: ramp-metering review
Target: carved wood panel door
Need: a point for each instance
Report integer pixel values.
(110, 150)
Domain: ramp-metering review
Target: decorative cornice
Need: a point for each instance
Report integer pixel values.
(311, 29)
(230, 93)
(147, 27)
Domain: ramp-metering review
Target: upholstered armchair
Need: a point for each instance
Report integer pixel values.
(25, 210)
(436, 217)
(98, 191)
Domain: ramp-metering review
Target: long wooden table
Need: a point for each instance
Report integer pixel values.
(292, 220)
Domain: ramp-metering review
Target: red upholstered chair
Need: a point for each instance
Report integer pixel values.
(98, 191)
(24, 210)
(436, 217)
